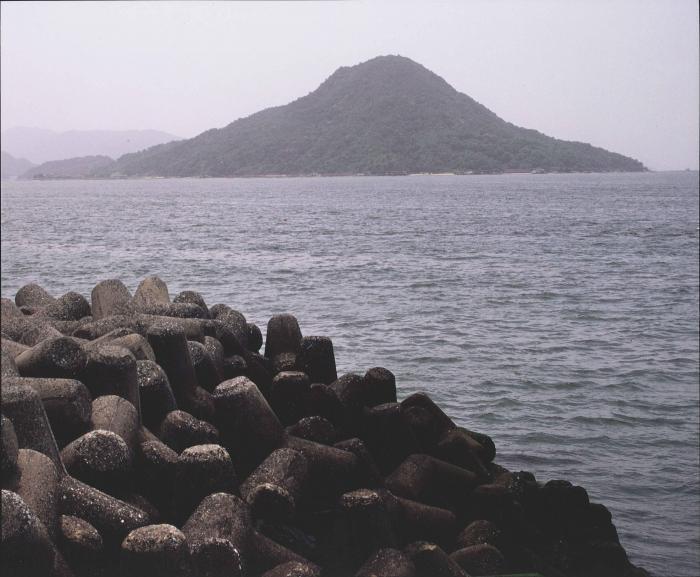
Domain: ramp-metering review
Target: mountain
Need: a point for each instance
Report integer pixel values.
(388, 115)
(81, 167)
(10, 167)
(40, 145)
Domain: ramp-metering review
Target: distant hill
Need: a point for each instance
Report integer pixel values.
(40, 145)
(81, 167)
(12, 167)
(388, 115)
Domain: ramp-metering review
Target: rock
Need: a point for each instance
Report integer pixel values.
(59, 357)
(431, 561)
(478, 533)
(22, 405)
(67, 328)
(113, 518)
(175, 310)
(156, 465)
(317, 360)
(491, 502)
(112, 371)
(136, 344)
(283, 336)
(110, 336)
(487, 443)
(380, 387)
(216, 557)
(220, 515)
(440, 423)
(12, 328)
(428, 480)
(259, 370)
(363, 527)
(193, 329)
(61, 567)
(8, 368)
(387, 563)
(232, 331)
(32, 295)
(13, 348)
(255, 339)
(216, 352)
(8, 455)
(325, 403)
(201, 404)
(151, 290)
(194, 376)
(110, 297)
(200, 471)
(218, 309)
(157, 398)
(315, 429)
(249, 428)
(331, 471)
(289, 396)
(351, 390)
(27, 550)
(266, 554)
(480, 560)
(38, 487)
(140, 502)
(422, 424)
(305, 541)
(71, 306)
(388, 435)
(192, 297)
(96, 329)
(368, 472)
(234, 366)
(67, 403)
(274, 489)
(36, 332)
(206, 371)
(293, 569)
(155, 551)
(459, 448)
(414, 520)
(81, 544)
(9, 309)
(180, 430)
(561, 501)
(117, 415)
(172, 354)
(100, 459)
(284, 362)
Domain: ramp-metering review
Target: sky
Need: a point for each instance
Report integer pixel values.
(621, 74)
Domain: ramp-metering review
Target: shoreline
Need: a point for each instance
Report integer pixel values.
(372, 479)
(330, 176)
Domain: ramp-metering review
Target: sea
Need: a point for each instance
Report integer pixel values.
(557, 313)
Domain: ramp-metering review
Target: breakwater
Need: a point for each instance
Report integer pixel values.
(148, 436)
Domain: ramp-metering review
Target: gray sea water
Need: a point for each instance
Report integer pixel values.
(557, 313)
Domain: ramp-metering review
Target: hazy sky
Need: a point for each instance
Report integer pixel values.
(621, 74)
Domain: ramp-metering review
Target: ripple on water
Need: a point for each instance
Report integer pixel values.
(558, 313)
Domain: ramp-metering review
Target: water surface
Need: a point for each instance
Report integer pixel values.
(557, 313)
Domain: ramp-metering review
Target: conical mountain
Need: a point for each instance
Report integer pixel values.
(388, 115)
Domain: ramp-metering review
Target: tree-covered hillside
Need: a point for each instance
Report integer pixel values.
(81, 167)
(389, 115)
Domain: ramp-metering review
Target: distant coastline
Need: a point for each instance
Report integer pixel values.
(339, 175)
(387, 116)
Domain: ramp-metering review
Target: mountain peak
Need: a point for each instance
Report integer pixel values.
(387, 115)
(391, 70)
